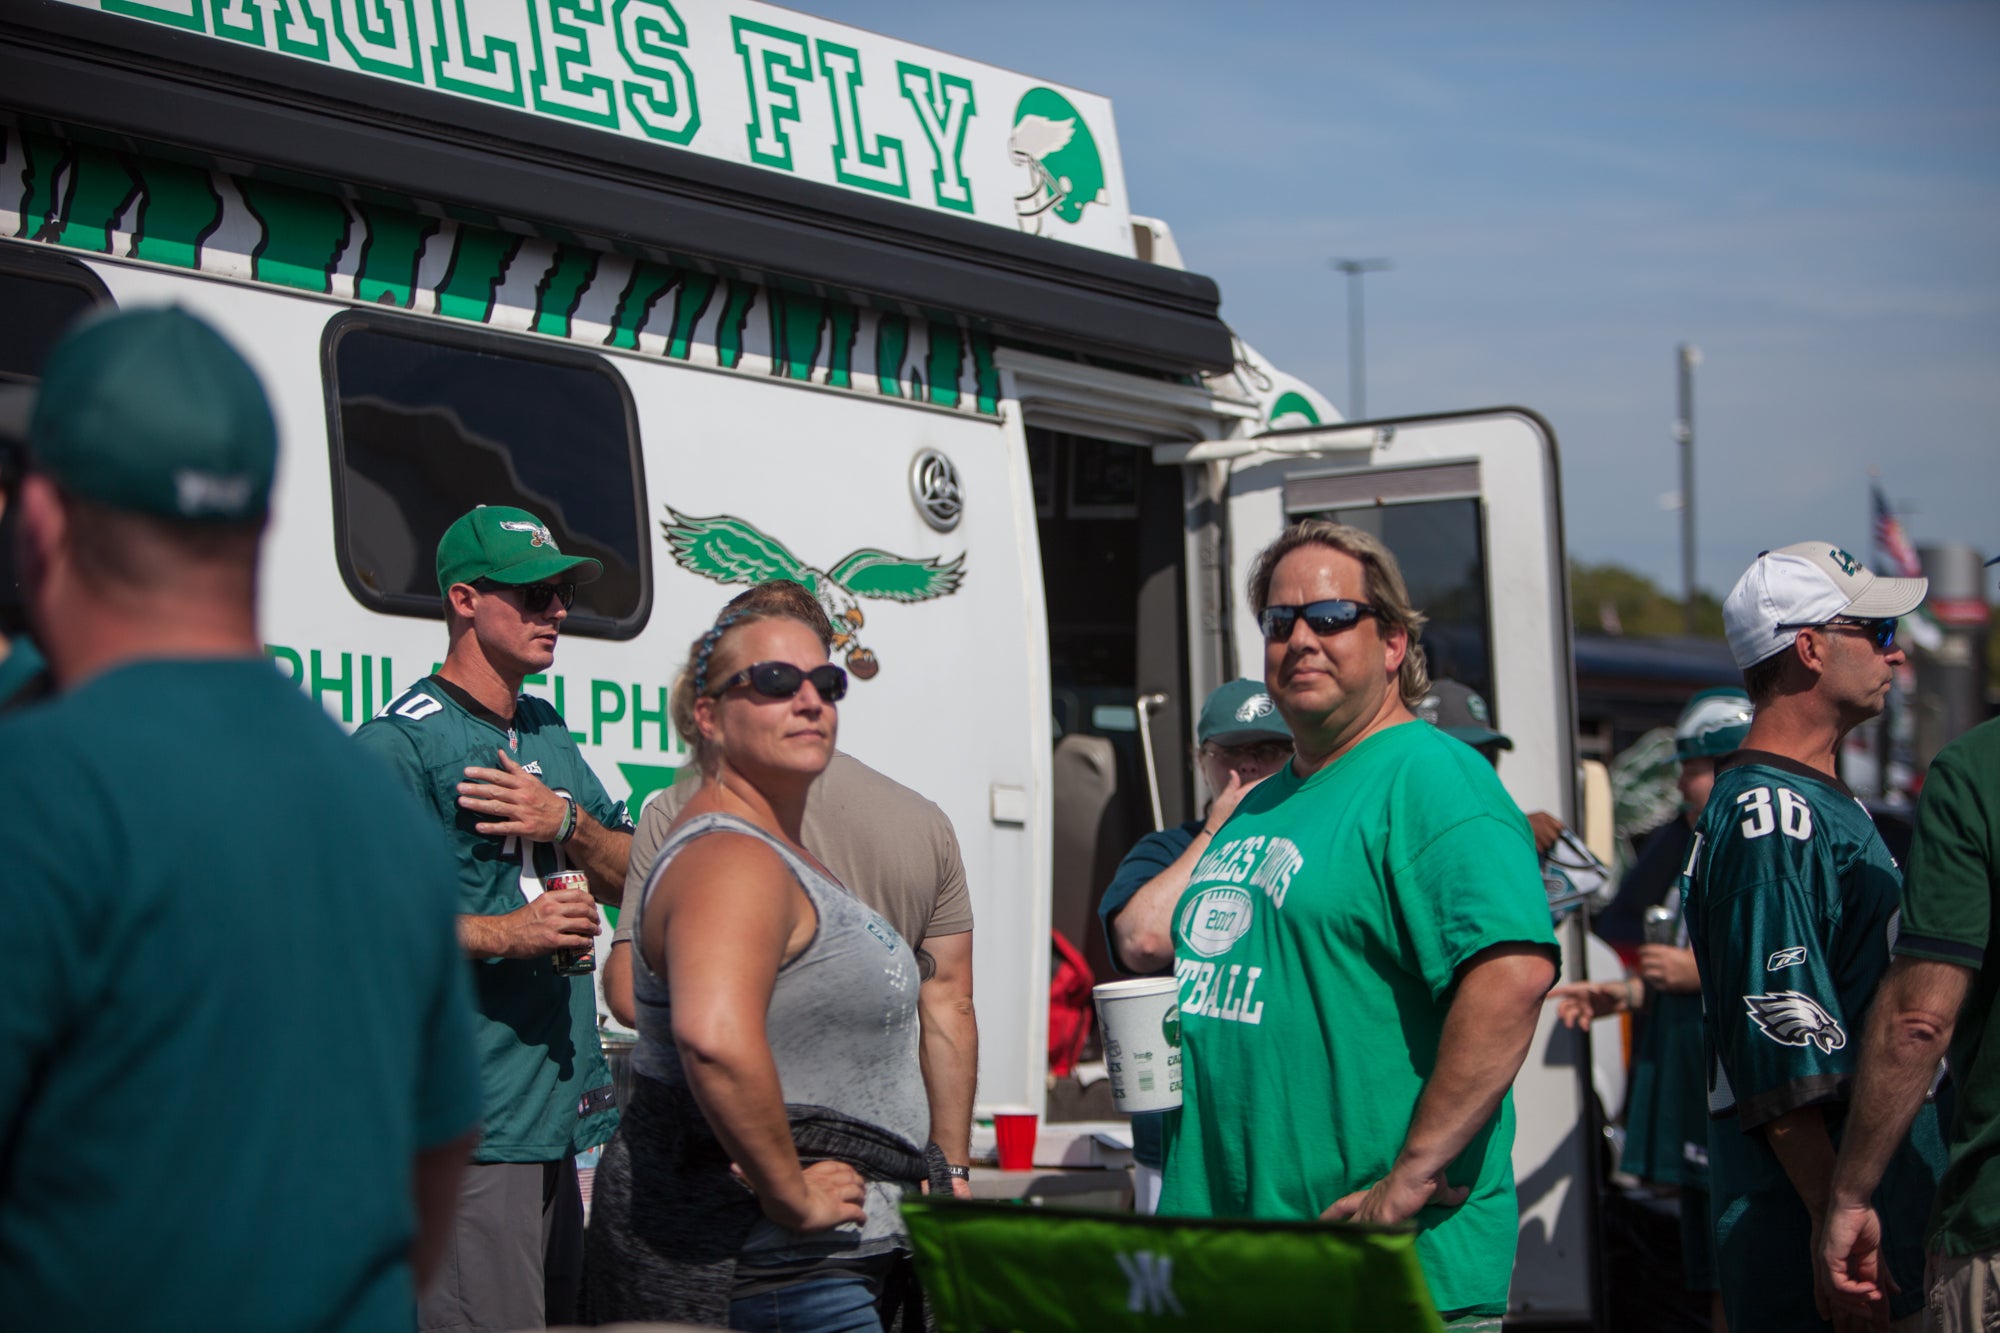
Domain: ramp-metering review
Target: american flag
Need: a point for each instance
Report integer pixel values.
(1890, 541)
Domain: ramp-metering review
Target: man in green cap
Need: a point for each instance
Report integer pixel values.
(497, 769)
(235, 1057)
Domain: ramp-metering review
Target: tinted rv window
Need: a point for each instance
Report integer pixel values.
(41, 295)
(1441, 546)
(426, 423)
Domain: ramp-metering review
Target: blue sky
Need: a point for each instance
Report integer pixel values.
(1810, 192)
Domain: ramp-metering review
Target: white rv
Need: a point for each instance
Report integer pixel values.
(725, 291)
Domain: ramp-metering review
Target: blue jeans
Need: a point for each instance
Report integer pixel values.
(834, 1303)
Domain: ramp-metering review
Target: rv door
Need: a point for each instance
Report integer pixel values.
(1470, 504)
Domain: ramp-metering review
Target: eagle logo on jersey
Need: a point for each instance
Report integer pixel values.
(1792, 1019)
(729, 550)
(541, 535)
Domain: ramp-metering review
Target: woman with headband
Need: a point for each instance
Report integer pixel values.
(778, 1104)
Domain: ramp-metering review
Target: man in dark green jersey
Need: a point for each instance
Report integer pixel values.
(235, 1059)
(499, 771)
(1939, 995)
(1791, 899)
(1362, 948)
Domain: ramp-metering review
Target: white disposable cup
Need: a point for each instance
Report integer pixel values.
(1141, 1019)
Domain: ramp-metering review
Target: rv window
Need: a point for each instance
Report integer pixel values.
(41, 295)
(426, 423)
(1441, 546)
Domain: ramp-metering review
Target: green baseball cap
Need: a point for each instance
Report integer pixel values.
(506, 545)
(1461, 713)
(1240, 713)
(151, 411)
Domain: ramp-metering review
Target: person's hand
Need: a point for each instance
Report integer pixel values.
(558, 919)
(513, 800)
(1227, 800)
(1395, 1198)
(1664, 967)
(1547, 828)
(1849, 1278)
(1579, 1003)
(833, 1197)
(961, 1188)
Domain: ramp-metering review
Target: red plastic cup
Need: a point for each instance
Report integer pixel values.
(1016, 1134)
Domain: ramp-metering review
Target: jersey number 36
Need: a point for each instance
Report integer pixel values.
(1793, 815)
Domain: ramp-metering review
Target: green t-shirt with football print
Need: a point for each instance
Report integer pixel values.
(547, 1089)
(1317, 946)
(1791, 903)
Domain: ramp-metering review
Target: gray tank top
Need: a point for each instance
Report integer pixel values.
(842, 1025)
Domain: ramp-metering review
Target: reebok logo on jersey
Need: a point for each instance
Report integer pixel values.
(1791, 957)
(1792, 1019)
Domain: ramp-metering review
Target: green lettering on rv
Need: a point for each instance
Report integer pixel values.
(463, 61)
(178, 210)
(649, 282)
(304, 235)
(607, 704)
(238, 20)
(300, 32)
(563, 84)
(690, 301)
(479, 262)
(390, 252)
(641, 715)
(561, 289)
(661, 99)
(380, 36)
(944, 107)
(729, 328)
(774, 69)
(179, 13)
(870, 161)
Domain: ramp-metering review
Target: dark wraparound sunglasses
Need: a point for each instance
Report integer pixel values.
(1881, 633)
(534, 596)
(782, 680)
(1328, 617)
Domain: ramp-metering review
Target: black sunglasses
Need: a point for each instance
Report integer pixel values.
(1881, 633)
(534, 596)
(1328, 617)
(781, 680)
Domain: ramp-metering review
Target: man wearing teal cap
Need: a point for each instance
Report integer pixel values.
(235, 1057)
(497, 769)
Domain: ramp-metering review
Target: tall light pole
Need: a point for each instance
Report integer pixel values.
(1357, 382)
(1687, 358)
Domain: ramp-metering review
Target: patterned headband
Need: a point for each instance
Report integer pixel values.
(708, 642)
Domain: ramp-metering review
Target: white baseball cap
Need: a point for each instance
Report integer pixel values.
(1808, 583)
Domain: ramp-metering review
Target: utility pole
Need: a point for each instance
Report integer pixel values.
(1357, 381)
(1687, 358)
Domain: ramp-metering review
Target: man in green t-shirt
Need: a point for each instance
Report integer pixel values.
(498, 770)
(1790, 899)
(235, 1060)
(1362, 948)
(1939, 995)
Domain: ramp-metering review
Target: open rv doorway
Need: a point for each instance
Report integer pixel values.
(1109, 527)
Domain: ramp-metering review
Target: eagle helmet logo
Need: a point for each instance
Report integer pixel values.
(1256, 706)
(1792, 1019)
(539, 535)
(731, 550)
(1065, 171)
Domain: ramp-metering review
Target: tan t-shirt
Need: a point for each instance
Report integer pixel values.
(887, 846)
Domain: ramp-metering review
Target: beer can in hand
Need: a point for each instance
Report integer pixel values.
(580, 961)
(1662, 925)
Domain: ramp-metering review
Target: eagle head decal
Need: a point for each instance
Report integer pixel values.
(1792, 1019)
